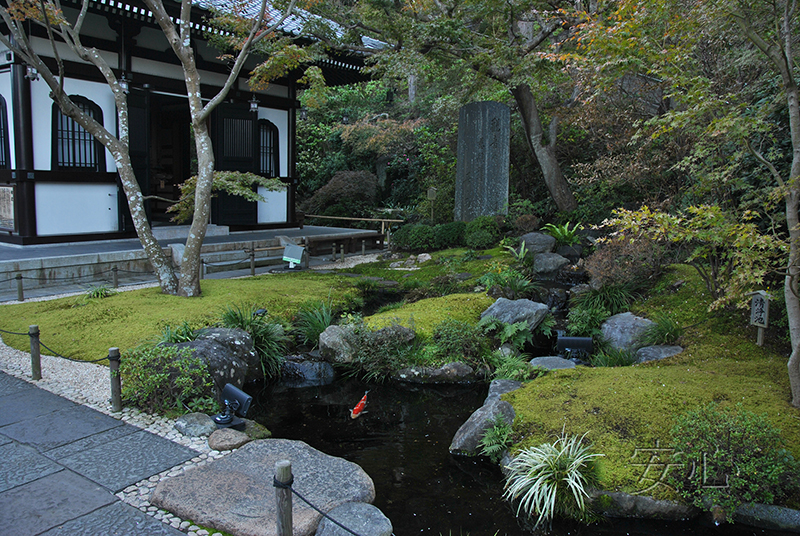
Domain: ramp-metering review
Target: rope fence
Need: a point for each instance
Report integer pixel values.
(114, 271)
(113, 359)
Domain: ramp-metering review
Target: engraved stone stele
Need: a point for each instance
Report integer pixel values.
(484, 135)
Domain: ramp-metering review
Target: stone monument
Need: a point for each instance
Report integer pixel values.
(484, 135)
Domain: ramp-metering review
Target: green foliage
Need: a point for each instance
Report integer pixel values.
(513, 366)
(181, 333)
(553, 480)
(166, 380)
(449, 235)
(729, 458)
(663, 330)
(613, 298)
(311, 320)
(99, 292)
(625, 260)
(482, 233)
(480, 239)
(612, 357)
(586, 321)
(510, 283)
(496, 439)
(348, 193)
(378, 352)
(269, 338)
(729, 253)
(564, 234)
(454, 340)
(517, 334)
(237, 183)
(415, 237)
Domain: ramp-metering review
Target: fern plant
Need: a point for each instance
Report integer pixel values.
(564, 234)
(552, 480)
(496, 439)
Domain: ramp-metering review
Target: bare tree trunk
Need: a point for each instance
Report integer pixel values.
(545, 154)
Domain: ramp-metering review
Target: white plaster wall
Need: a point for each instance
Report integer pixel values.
(274, 208)
(5, 91)
(42, 119)
(75, 208)
(280, 118)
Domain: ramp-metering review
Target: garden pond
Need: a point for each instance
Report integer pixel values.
(402, 442)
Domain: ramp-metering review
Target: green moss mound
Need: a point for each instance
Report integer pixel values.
(424, 315)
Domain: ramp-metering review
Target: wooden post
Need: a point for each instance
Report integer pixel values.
(36, 356)
(252, 258)
(115, 277)
(363, 247)
(116, 380)
(202, 269)
(283, 496)
(341, 249)
(20, 292)
(333, 252)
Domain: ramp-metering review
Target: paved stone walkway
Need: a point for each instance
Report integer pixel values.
(62, 466)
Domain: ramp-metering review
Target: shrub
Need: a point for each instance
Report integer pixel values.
(480, 239)
(377, 357)
(449, 235)
(311, 320)
(269, 338)
(517, 334)
(457, 341)
(552, 480)
(496, 440)
(349, 192)
(620, 261)
(527, 223)
(417, 237)
(166, 380)
(663, 330)
(484, 223)
(729, 458)
(614, 298)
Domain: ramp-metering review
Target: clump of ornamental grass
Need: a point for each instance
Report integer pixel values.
(553, 480)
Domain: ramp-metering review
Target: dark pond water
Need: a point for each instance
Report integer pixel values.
(402, 443)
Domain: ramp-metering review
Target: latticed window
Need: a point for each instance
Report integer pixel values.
(267, 148)
(74, 147)
(5, 159)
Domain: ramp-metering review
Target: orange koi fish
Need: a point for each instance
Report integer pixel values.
(359, 407)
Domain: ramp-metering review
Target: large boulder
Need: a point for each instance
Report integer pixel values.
(448, 373)
(467, 439)
(513, 311)
(300, 372)
(223, 365)
(618, 504)
(768, 517)
(235, 493)
(656, 353)
(547, 265)
(536, 243)
(240, 344)
(552, 362)
(623, 330)
(362, 518)
(195, 425)
(336, 344)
